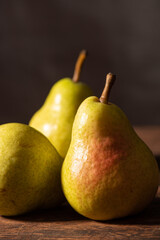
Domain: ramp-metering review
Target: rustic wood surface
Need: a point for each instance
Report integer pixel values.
(151, 136)
(65, 223)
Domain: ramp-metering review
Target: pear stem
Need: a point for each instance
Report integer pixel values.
(78, 66)
(110, 79)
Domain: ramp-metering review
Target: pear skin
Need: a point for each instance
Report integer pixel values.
(30, 170)
(55, 118)
(108, 172)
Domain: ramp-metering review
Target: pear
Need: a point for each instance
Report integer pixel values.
(108, 172)
(55, 118)
(29, 170)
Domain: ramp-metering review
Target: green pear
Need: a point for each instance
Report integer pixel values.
(55, 118)
(108, 172)
(29, 170)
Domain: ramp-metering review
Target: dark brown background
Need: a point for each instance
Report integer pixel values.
(40, 41)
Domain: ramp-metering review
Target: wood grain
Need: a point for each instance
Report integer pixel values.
(65, 223)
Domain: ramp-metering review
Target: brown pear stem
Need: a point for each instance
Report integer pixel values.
(110, 79)
(78, 66)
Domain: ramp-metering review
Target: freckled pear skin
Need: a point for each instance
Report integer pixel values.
(29, 170)
(55, 118)
(108, 172)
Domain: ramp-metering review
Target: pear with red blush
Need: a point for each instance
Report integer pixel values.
(108, 172)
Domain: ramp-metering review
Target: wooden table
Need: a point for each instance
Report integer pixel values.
(65, 223)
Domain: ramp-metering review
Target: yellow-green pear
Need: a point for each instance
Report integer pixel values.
(29, 170)
(55, 118)
(108, 172)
